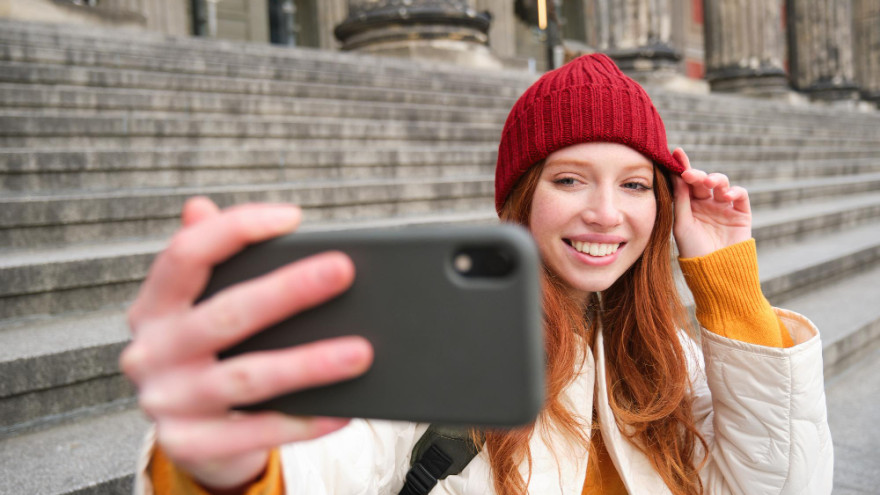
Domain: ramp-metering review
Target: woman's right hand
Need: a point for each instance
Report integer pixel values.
(172, 357)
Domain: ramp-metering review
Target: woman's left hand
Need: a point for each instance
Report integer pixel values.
(710, 214)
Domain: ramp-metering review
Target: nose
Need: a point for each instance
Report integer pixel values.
(601, 209)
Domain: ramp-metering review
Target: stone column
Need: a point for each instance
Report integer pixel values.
(502, 32)
(445, 30)
(167, 16)
(330, 14)
(637, 34)
(820, 48)
(866, 48)
(745, 46)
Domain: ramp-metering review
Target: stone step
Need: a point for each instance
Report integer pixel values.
(53, 218)
(46, 100)
(114, 47)
(794, 269)
(794, 119)
(104, 132)
(32, 220)
(90, 53)
(748, 156)
(777, 194)
(89, 277)
(88, 169)
(93, 456)
(735, 106)
(37, 170)
(157, 103)
(36, 74)
(211, 54)
(71, 122)
(335, 160)
(846, 313)
(104, 143)
(711, 124)
(117, 125)
(748, 170)
(241, 67)
(58, 368)
(774, 226)
(23, 73)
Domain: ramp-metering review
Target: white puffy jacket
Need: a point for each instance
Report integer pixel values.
(761, 410)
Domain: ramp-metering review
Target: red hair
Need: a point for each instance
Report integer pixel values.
(646, 363)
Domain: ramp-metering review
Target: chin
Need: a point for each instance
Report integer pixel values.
(582, 288)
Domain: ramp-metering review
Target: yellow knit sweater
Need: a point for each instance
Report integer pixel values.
(729, 302)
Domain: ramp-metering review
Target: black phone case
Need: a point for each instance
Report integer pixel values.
(448, 349)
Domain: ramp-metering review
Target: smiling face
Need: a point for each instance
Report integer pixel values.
(592, 213)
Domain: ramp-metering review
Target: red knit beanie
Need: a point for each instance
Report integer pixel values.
(588, 99)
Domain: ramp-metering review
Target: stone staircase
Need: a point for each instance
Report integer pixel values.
(103, 134)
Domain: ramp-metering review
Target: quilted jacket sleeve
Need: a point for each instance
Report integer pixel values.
(762, 411)
(760, 398)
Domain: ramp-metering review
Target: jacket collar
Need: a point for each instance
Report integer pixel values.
(634, 467)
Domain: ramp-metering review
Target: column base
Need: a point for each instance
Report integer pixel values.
(659, 58)
(429, 30)
(439, 50)
(759, 81)
(830, 92)
(872, 97)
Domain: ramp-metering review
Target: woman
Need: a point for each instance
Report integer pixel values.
(583, 163)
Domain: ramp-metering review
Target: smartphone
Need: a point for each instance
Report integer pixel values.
(453, 315)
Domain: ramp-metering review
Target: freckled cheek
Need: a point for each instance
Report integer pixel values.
(643, 219)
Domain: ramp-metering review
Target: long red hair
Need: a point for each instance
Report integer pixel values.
(646, 363)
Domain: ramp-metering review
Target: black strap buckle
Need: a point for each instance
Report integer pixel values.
(419, 480)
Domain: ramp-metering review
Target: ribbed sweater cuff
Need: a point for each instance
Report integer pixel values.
(728, 297)
(169, 480)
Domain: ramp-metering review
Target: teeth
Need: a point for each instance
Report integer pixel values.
(595, 249)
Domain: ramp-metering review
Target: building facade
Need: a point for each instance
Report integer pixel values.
(825, 49)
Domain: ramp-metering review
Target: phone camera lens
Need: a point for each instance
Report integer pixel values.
(483, 262)
(463, 263)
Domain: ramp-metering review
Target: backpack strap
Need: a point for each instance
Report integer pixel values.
(440, 452)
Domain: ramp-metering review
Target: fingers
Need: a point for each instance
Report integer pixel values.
(180, 272)
(739, 196)
(682, 158)
(708, 186)
(696, 179)
(237, 312)
(682, 198)
(192, 441)
(255, 377)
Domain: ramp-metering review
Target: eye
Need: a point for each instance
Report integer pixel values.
(636, 186)
(565, 181)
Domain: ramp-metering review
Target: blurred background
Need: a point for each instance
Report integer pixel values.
(387, 113)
